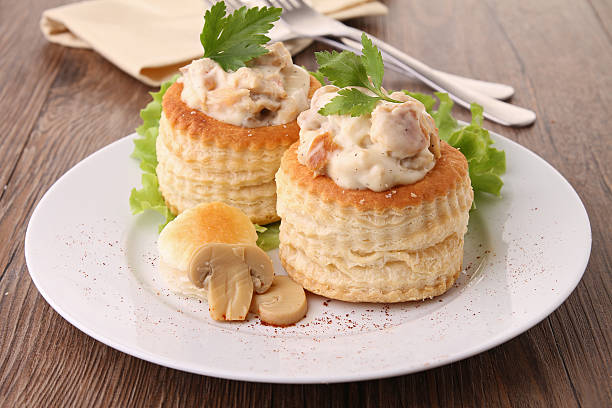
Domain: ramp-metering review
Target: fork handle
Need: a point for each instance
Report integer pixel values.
(492, 89)
(497, 111)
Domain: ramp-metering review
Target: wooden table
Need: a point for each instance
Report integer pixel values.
(58, 105)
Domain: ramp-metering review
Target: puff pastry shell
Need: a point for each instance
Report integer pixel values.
(201, 159)
(402, 244)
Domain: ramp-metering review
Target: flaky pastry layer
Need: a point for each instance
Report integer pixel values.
(395, 282)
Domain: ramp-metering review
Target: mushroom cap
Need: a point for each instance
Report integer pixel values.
(204, 223)
(213, 256)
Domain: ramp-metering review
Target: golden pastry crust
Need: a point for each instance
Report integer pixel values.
(402, 244)
(201, 159)
(450, 168)
(310, 280)
(185, 184)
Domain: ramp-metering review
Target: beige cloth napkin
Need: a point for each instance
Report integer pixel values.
(151, 39)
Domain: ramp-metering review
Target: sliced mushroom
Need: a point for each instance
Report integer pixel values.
(283, 304)
(214, 254)
(223, 270)
(230, 291)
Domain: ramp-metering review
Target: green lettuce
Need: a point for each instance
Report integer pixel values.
(259, 228)
(268, 236)
(486, 163)
(149, 196)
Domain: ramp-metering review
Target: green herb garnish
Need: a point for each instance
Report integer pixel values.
(346, 69)
(237, 38)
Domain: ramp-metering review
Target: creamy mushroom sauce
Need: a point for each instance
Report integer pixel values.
(386, 148)
(271, 90)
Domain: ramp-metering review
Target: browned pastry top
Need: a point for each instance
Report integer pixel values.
(451, 168)
(207, 130)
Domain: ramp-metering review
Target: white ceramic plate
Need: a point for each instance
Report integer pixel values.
(95, 264)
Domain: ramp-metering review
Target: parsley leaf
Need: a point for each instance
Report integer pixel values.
(237, 38)
(372, 61)
(346, 69)
(350, 101)
(342, 68)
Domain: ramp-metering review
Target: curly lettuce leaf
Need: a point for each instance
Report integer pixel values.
(149, 196)
(427, 100)
(445, 121)
(268, 238)
(260, 228)
(486, 163)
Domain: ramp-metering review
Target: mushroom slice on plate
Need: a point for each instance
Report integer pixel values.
(229, 292)
(230, 272)
(283, 304)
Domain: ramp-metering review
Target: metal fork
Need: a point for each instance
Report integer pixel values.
(282, 32)
(309, 23)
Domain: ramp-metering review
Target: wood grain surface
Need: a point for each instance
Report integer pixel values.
(59, 105)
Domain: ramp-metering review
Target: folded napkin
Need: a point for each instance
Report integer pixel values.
(151, 39)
